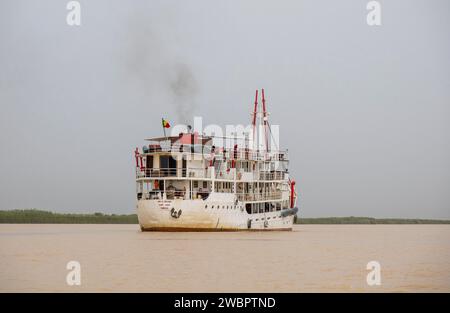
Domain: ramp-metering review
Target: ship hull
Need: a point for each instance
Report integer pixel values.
(201, 215)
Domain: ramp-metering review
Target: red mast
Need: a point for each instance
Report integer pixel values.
(254, 115)
(265, 121)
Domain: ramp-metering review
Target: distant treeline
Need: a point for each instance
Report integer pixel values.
(45, 217)
(367, 220)
(34, 216)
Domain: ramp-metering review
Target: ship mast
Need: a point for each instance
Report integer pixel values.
(260, 115)
(254, 116)
(265, 121)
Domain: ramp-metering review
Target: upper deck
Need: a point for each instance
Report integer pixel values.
(202, 147)
(190, 156)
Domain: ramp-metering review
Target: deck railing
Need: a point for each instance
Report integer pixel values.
(219, 174)
(182, 194)
(173, 194)
(276, 195)
(160, 172)
(239, 154)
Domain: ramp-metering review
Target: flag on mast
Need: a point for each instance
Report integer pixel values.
(165, 124)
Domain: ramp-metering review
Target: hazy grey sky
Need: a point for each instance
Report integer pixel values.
(364, 111)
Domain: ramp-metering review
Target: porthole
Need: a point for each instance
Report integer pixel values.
(206, 206)
(212, 207)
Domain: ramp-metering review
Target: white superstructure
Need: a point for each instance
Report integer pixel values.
(187, 183)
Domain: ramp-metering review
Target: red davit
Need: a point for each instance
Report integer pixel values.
(292, 183)
(136, 155)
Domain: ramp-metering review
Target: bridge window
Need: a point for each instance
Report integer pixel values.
(168, 165)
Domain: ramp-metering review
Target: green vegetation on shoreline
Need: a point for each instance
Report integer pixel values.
(33, 216)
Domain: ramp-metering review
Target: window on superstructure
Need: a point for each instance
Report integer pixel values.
(195, 184)
(247, 166)
(149, 163)
(205, 184)
(261, 208)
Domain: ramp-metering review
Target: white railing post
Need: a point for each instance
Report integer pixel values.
(213, 178)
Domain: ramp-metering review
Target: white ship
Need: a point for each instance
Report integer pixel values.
(187, 183)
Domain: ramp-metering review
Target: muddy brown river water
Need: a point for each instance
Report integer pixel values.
(323, 258)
